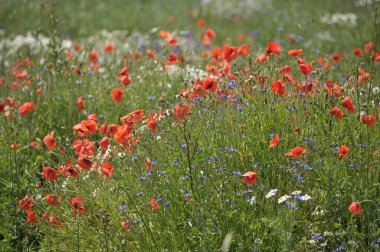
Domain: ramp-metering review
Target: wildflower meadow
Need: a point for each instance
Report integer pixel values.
(208, 125)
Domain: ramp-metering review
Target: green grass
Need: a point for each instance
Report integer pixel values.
(196, 179)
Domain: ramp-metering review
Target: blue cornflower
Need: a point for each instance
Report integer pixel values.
(299, 178)
(122, 208)
(142, 178)
(316, 237)
(151, 98)
(236, 173)
(188, 195)
(184, 146)
(134, 158)
(231, 84)
(308, 140)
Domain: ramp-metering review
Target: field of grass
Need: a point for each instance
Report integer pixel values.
(205, 125)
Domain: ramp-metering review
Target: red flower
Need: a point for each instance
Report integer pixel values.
(296, 152)
(125, 225)
(347, 103)
(229, 53)
(337, 113)
(343, 151)
(117, 94)
(89, 126)
(109, 47)
(284, 69)
(35, 145)
(94, 56)
(210, 84)
(369, 120)
(249, 178)
(154, 204)
(306, 69)
(50, 141)
(274, 141)
(77, 206)
(26, 203)
(80, 104)
(53, 200)
(355, 208)
(151, 123)
(172, 58)
(149, 165)
(273, 47)
(369, 46)
(201, 22)
(32, 219)
(26, 108)
(181, 110)
(107, 169)
(358, 52)
(278, 87)
(50, 173)
(295, 52)
(84, 163)
(104, 143)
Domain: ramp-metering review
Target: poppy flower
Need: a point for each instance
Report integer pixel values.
(173, 41)
(363, 76)
(104, 143)
(117, 95)
(369, 120)
(296, 152)
(89, 126)
(77, 205)
(125, 225)
(35, 145)
(337, 113)
(249, 178)
(273, 47)
(93, 117)
(71, 171)
(336, 58)
(261, 59)
(244, 49)
(274, 141)
(94, 56)
(181, 110)
(52, 220)
(369, 46)
(154, 205)
(278, 87)
(210, 84)
(284, 69)
(50, 141)
(50, 173)
(347, 103)
(306, 69)
(26, 203)
(80, 104)
(84, 147)
(84, 162)
(149, 165)
(201, 22)
(173, 59)
(151, 123)
(125, 80)
(343, 151)
(151, 54)
(32, 219)
(358, 52)
(107, 169)
(53, 200)
(109, 47)
(355, 208)
(229, 53)
(26, 108)
(295, 52)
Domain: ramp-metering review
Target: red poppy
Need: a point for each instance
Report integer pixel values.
(278, 87)
(201, 22)
(26, 203)
(355, 208)
(125, 80)
(173, 59)
(52, 220)
(32, 219)
(50, 173)
(80, 104)
(273, 47)
(151, 54)
(117, 95)
(173, 41)
(347, 103)
(84, 147)
(181, 110)
(369, 120)
(306, 69)
(363, 76)
(104, 143)
(107, 169)
(53, 200)
(35, 145)
(249, 178)
(89, 126)
(94, 56)
(274, 141)
(84, 162)
(26, 108)
(151, 123)
(261, 59)
(77, 205)
(244, 49)
(295, 52)
(109, 47)
(369, 46)
(229, 53)
(343, 151)
(149, 165)
(296, 152)
(337, 113)
(125, 225)
(50, 141)
(210, 84)
(336, 58)
(154, 205)
(284, 69)
(358, 52)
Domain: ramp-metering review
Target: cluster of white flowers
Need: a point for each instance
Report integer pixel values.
(240, 8)
(340, 18)
(34, 42)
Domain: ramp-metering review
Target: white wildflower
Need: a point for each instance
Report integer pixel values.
(283, 198)
(271, 193)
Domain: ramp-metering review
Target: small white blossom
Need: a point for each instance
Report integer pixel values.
(283, 198)
(271, 193)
